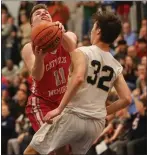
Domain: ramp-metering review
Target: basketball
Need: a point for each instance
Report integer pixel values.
(46, 35)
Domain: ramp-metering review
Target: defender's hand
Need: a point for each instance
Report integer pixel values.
(50, 115)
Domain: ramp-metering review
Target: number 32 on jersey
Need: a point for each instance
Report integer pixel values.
(107, 78)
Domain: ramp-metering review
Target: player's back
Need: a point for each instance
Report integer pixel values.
(102, 71)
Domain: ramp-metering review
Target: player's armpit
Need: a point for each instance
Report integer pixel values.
(28, 56)
(69, 41)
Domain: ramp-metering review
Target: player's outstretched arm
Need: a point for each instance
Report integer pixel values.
(78, 61)
(34, 61)
(123, 93)
(77, 78)
(69, 40)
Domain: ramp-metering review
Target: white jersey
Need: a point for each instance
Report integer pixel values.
(102, 71)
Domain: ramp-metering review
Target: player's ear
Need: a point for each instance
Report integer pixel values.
(98, 31)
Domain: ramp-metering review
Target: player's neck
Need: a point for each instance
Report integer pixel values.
(103, 46)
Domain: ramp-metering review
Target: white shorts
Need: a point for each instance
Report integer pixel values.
(68, 128)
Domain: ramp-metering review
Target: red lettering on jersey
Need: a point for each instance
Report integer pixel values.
(53, 84)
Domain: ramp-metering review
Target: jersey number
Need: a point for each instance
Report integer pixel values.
(92, 79)
(59, 77)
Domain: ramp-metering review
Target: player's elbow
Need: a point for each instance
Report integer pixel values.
(128, 99)
(79, 79)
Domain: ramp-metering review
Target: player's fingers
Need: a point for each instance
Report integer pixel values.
(63, 30)
(36, 48)
(40, 51)
(57, 23)
(60, 26)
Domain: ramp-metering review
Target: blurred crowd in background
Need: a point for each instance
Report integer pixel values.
(125, 132)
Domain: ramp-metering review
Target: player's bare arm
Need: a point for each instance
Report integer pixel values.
(123, 93)
(77, 78)
(69, 40)
(34, 60)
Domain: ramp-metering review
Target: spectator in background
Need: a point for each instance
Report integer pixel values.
(17, 105)
(14, 43)
(7, 127)
(141, 80)
(22, 127)
(59, 12)
(121, 50)
(129, 37)
(89, 8)
(4, 8)
(137, 135)
(129, 72)
(86, 41)
(144, 9)
(144, 23)
(141, 48)
(5, 33)
(144, 61)
(133, 54)
(123, 10)
(11, 51)
(143, 33)
(25, 8)
(25, 30)
(119, 38)
(10, 70)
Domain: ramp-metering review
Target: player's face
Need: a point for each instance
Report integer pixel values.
(95, 34)
(39, 15)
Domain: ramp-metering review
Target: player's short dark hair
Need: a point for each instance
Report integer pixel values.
(37, 7)
(109, 24)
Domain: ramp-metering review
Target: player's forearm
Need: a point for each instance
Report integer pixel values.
(118, 105)
(72, 88)
(38, 69)
(69, 41)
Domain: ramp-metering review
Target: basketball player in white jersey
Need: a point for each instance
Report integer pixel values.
(82, 110)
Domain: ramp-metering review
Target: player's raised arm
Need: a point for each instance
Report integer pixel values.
(69, 41)
(34, 61)
(77, 78)
(123, 93)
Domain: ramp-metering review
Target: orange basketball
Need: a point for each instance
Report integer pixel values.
(46, 35)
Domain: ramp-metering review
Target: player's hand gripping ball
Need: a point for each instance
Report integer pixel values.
(46, 36)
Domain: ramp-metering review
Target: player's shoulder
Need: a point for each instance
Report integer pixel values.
(27, 45)
(27, 48)
(71, 34)
(84, 48)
